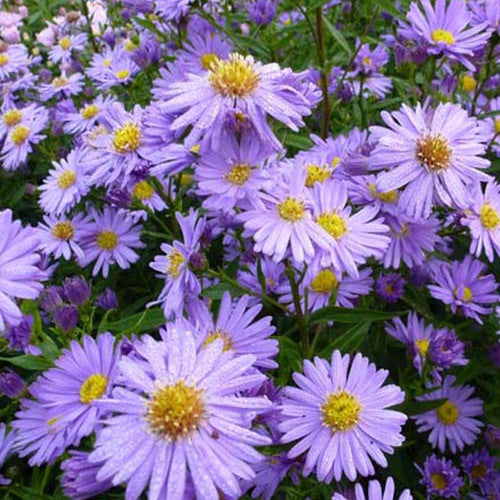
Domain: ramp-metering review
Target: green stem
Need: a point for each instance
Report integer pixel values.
(299, 315)
(85, 11)
(323, 77)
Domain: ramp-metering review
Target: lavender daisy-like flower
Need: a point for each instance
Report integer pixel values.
(11, 385)
(340, 417)
(63, 50)
(19, 336)
(453, 423)
(390, 287)
(13, 59)
(446, 349)
(376, 492)
(109, 238)
(441, 477)
(59, 236)
(65, 184)
(6, 443)
(87, 116)
(238, 328)
(21, 278)
(465, 287)
(178, 419)
(62, 86)
(445, 29)
(435, 154)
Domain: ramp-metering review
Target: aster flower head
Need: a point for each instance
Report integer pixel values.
(435, 154)
(446, 349)
(59, 236)
(441, 477)
(19, 336)
(445, 29)
(11, 385)
(62, 51)
(62, 86)
(84, 119)
(6, 445)
(13, 59)
(454, 422)
(480, 467)
(465, 287)
(377, 492)
(186, 423)
(340, 418)
(109, 237)
(390, 287)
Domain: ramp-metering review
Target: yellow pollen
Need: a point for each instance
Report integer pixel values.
(12, 117)
(130, 46)
(208, 60)
(489, 217)
(52, 421)
(422, 346)
(497, 126)
(66, 179)
(444, 36)
(63, 231)
(128, 138)
(235, 77)
(434, 153)
(367, 61)
(387, 196)
(106, 62)
(65, 43)
(89, 111)
(468, 83)
(240, 117)
(341, 411)
(176, 259)
(107, 240)
(4, 59)
(317, 173)
(333, 224)
(466, 294)
(195, 149)
(479, 471)
(143, 190)
(219, 334)
(238, 174)
(335, 161)
(439, 481)
(324, 282)
(175, 411)
(291, 210)
(19, 134)
(93, 388)
(185, 179)
(59, 81)
(122, 74)
(447, 413)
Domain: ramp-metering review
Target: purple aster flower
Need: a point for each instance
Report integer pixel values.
(237, 85)
(368, 61)
(492, 436)
(238, 328)
(362, 190)
(11, 384)
(66, 46)
(340, 418)
(480, 466)
(79, 480)
(174, 10)
(13, 60)
(51, 299)
(19, 336)
(65, 184)
(183, 418)
(445, 30)
(144, 193)
(21, 278)
(435, 154)
(274, 276)
(441, 477)
(107, 300)
(446, 349)
(465, 287)
(87, 116)
(59, 236)
(6, 444)
(66, 399)
(62, 85)
(486, 11)
(390, 287)
(13, 116)
(483, 219)
(110, 238)
(453, 422)
(261, 12)
(76, 290)
(377, 492)
(66, 318)
(174, 268)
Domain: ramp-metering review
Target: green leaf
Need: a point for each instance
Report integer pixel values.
(345, 315)
(297, 141)
(387, 6)
(215, 292)
(339, 37)
(29, 362)
(149, 319)
(289, 359)
(353, 338)
(416, 407)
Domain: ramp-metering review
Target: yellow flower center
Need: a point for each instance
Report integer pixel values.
(19, 134)
(122, 74)
(235, 77)
(497, 126)
(63, 231)
(291, 210)
(468, 83)
(333, 224)
(106, 63)
(444, 36)
(434, 152)
(335, 161)
(324, 282)
(52, 421)
(89, 111)
(130, 46)
(422, 346)
(128, 138)
(107, 240)
(489, 217)
(176, 259)
(93, 388)
(447, 413)
(143, 191)
(466, 294)
(387, 196)
(341, 411)
(479, 471)
(208, 60)
(317, 173)
(65, 43)
(367, 61)
(195, 149)
(238, 174)
(4, 59)
(175, 411)
(219, 334)
(59, 81)
(439, 481)
(185, 179)
(66, 179)
(12, 117)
